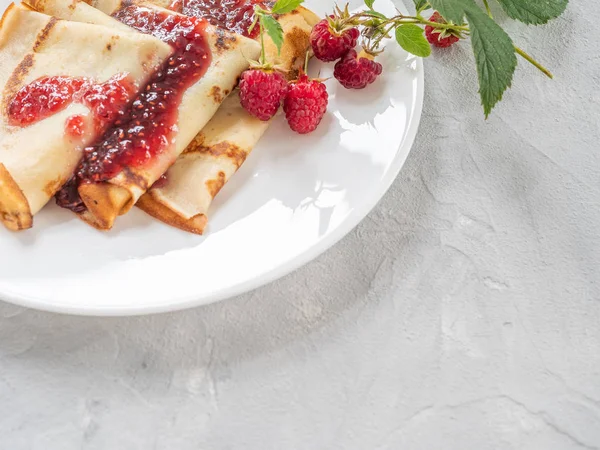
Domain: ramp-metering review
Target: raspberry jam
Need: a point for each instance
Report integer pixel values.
(47, 96)
(233, 15)
(149, 126)
(75, 126)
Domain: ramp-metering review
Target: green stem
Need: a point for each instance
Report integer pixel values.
(533, 62)
(401, 19)
(488, 9)
(263, 56)
(445, 25)
(382, 36)
(306, 59)
(387, 26)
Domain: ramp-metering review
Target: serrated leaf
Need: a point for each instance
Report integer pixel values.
(273, 29)
(411, 38)
(534, 12)
(495, 57)
(453, 10)
(285, 6)
(369, 3)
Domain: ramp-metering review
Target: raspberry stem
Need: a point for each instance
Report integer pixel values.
(263, 56)
(402, 19)
(533, 62)
(372, 47)
(488, 9)
(383, 28)
(445, 26)
(306, 60)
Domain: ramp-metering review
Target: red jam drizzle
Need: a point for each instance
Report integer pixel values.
(149, 126)
(41, 99)
(233, 15)
(47, 96)
(75, 126)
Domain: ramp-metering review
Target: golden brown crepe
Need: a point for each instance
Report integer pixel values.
(184, 198)
(36, 160)
(230, 53)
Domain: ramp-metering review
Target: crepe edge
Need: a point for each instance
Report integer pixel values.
(310, 16)
(4, 18)
(152, 206)
(15, 212)
(104, 202)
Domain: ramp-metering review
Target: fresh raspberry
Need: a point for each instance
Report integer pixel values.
(357, 71)
(262, 91)
(437, 37)
(305, 104)
(329, 44)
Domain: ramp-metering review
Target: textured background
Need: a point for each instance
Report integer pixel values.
(464, 313)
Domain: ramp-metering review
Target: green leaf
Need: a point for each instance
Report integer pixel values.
(453, 10)
(273, 29)
(369, 3)
(411, 38)
(421, 5)
(494, 55)
(285, 6)
(534, 12)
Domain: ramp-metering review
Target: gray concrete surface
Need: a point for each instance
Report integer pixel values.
(464, 313)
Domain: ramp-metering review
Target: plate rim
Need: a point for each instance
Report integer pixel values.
(357, 215)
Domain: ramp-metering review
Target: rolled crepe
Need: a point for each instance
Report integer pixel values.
(183, 199)
(38, 157)
(107, 199)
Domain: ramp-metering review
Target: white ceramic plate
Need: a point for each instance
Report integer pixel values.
(294, 198)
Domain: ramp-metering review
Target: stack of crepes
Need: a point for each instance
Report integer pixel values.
(37, 154)
(108, 172)
(114, 164)
(216, 154)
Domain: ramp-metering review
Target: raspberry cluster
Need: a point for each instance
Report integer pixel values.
(331, 41)
(334, 39)
(262, 91)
